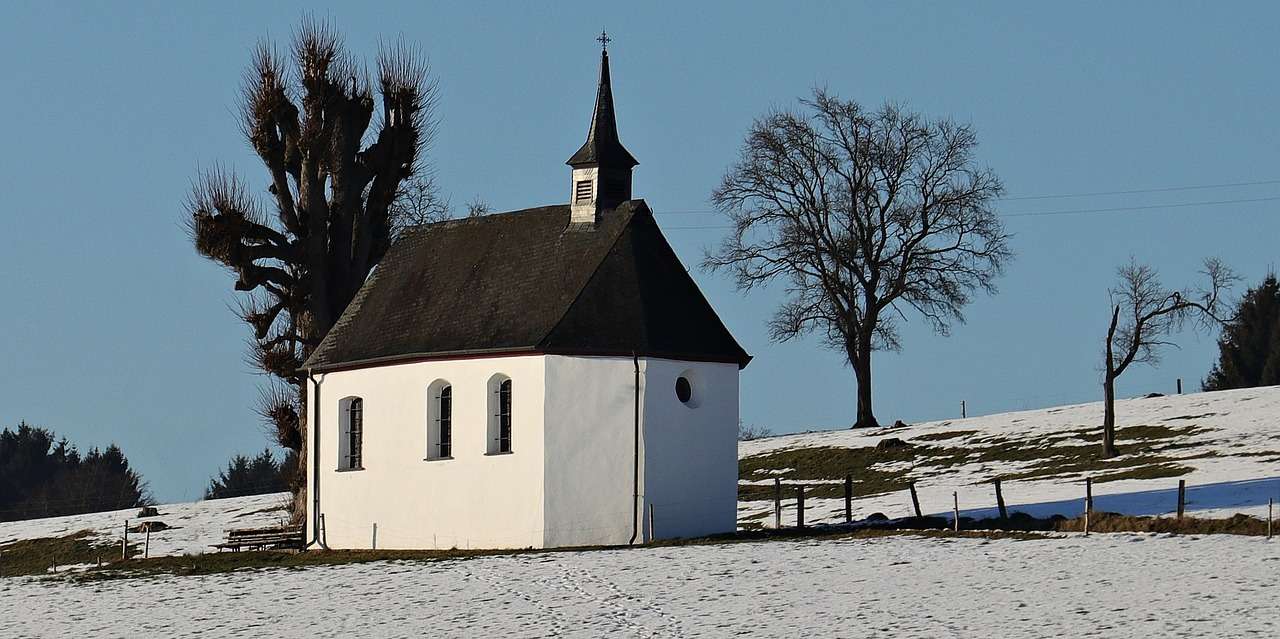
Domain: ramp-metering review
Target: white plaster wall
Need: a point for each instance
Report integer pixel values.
(569, 480)
(471, 501)
(689, 454)
(691, 450)
(590, 447)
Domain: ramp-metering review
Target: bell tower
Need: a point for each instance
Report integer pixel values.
(601, 175)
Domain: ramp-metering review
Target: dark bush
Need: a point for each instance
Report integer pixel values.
(258, 475)
(42, 476)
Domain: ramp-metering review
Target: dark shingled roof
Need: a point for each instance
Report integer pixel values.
(529, 281)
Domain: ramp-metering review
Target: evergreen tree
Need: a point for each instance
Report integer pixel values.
(258, 475)
(1249, 350)
(42, 476)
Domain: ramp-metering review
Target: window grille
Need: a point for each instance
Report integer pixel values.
(504, 416)
(445, 422)
(355, 432)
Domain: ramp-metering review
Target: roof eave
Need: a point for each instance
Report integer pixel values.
(392, 360)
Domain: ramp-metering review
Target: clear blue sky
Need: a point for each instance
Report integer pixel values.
(114, 330)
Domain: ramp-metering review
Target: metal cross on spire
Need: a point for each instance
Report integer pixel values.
(604, 40)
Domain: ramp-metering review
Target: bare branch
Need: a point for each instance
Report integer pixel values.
(863, 215)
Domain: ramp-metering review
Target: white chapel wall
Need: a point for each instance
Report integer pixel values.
(590, 450)
(691, 450)
(473, 500)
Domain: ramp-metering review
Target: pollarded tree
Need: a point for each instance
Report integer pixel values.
(1143, 315)
(344, 173)
(867, 215)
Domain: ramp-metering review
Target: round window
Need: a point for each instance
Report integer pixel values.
(684, 391)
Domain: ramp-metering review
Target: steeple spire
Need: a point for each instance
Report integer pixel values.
(602, 145)
(602, 166)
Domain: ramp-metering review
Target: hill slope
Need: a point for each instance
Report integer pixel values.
(1224, 444)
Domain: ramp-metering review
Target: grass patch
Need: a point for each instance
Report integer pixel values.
(1238, 524)
(1144, 455)
(1154, 432)
(825, 462)
(1018, 526)
(215, 563)
(1147, 471)
(38, 556)
(951, 434)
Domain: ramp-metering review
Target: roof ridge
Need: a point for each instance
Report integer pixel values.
(476, 219)
(604, 255)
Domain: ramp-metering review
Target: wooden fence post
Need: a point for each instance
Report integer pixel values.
(955, 499)
(146, 547)
(1269, 502)
(652, 532)
(777, 503)
(962, 410)
(124, 543)
(1182, 497)
(848, 499)
(1088, 503)
(800, 506)
(1004, 514)
(375, 536)
(915, 501)
(1179, 385)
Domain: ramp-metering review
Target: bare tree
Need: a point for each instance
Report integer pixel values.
(341, 183)
(420, 201)
(750, 432)
(866, 215)
(478, 207)
(1143, 315)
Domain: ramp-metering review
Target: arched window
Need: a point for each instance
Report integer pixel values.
(500, 415)
(351, 434)
(440, 420)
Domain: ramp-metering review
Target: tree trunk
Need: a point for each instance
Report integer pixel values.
(298, 482)
(1109, 417)
(862, 371)
(1109, 389)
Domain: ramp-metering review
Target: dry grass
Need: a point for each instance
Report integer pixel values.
(1019, 526)
(39, 556)
(1145, 454)
(826, 463)
(1238, 524)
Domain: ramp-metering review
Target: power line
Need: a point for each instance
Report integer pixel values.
(1114, 209)
(1133, 191)
(1141, 208)
(1165, 189)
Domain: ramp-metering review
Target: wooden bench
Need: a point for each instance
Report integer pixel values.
(275, 538)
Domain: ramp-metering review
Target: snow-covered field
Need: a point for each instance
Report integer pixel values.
(1233, 453)
(1240, 429)
(1104, 585)
(1113, 585)
(193, 528)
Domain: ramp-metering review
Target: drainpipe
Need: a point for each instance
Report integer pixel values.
(315, 462)
(635, 464)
